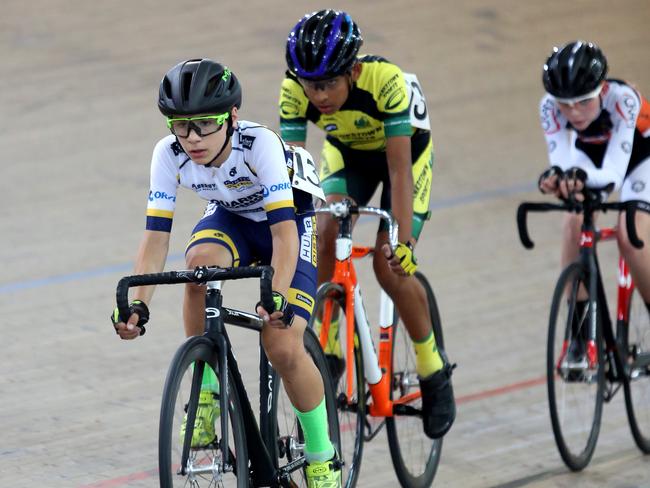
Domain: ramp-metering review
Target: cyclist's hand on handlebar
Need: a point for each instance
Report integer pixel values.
(134, 326)
(549, 180)
(281, 317)
(572, 183)
(402, 261)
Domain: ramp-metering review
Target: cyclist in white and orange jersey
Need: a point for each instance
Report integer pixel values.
(597, 132)
(254, 213)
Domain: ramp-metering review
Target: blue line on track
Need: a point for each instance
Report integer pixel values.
(125, 268)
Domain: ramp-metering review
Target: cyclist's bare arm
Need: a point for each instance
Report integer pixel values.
(285, 254)
(398, 155)
(151, 258)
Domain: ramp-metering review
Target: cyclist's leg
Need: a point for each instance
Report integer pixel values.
(285, 350)
(345, 173)
(407, 292)
(637, 187)
(438, 404)
(215, 241)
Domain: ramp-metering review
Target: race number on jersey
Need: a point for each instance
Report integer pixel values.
(305, 175)
(417, 103)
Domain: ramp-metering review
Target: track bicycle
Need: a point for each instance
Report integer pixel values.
(392, 397)
(588, 360)
(242, 453)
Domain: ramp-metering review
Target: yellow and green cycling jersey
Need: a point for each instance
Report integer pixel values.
(353, 159)
(377, 108)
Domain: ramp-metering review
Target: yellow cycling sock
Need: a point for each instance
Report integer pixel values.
(427, 357)
(333, 345)
(318, 447)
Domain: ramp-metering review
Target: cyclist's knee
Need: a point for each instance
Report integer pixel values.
(388, 280)
(211, 254)
(283, 347)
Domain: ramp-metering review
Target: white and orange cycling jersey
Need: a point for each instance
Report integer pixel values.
(613, 150)
(257, 181)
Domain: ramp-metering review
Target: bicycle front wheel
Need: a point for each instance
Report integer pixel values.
(415, 456)
(351, 408)
(637, 391)
(575, 381)
(285, 427)
(207, 464)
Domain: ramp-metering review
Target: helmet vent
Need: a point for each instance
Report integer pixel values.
(186, 85)
(211, 86)
(167, 87)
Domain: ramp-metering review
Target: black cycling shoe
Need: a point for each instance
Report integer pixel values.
(438, 403)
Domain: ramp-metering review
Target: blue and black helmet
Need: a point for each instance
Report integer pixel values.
(323, 45)
(574, 70)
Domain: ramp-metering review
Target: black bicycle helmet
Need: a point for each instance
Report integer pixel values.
(574, 70)
(323, 45)
(198, 86)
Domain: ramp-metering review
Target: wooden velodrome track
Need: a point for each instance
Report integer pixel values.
(78, 121)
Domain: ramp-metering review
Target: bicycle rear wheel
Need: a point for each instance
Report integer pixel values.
(575, 387)
(351, 410)
(285, 427)
(207, 466)
(415, 456)
(637, 392)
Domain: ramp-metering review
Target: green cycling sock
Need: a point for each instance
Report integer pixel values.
(318, 447)
(210, 382)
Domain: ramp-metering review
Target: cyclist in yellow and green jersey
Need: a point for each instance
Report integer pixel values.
(377, 131)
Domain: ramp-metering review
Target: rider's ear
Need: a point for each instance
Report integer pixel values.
(355, 72)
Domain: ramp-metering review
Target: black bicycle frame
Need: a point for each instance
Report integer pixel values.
(263, 469)
(588, 259)
(598, 308)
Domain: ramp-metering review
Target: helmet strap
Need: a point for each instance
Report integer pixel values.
(230, 130)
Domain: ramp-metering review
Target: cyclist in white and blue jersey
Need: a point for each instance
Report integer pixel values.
(254, 214)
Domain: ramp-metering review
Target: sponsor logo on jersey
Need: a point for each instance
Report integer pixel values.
(304, 299)
(628, 110)
(176, 148)
(246, 201)
(626, 146)
(160, 195)
(550, 124)
(308, 246)
(638, 186)
(240, 184)
(361, 122)
(389, 86)
(210, 209)
(266, 191)
(289, 108)
(395, 99)
(330, 127)
(197, 187)
(246, 141)
(232, 172)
